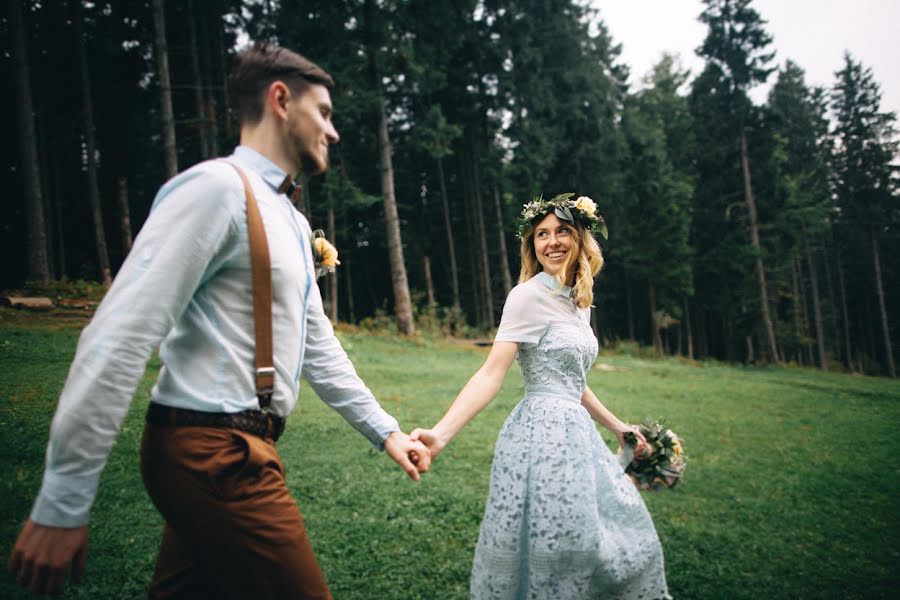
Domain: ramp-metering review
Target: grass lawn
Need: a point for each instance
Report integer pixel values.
(790, 492)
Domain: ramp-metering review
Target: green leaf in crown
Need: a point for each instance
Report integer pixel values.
(566, 208)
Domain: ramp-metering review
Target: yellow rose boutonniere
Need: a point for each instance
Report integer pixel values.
(324, 254)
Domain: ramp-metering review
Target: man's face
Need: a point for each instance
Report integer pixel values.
(309, 128)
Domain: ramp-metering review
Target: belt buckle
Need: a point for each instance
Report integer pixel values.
(274, 424)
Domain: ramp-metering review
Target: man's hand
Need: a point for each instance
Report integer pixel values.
(429, 438)
(43, 554)
(414, 457)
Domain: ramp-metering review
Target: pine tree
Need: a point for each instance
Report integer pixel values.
(736, 50)
(38, 266)
(865, 176)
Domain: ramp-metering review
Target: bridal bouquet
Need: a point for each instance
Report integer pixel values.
(661, 464)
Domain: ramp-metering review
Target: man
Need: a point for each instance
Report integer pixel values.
(232, 528)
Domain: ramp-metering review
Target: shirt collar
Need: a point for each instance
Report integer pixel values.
(551, 282)
(269, 171)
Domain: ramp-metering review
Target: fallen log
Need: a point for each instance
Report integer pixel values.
(29, 303)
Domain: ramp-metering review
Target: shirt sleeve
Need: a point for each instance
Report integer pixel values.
(176, 251)
(521, 321)
(334, 379)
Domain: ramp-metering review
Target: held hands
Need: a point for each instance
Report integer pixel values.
(429, 438)
(413, 456)
(43, 554)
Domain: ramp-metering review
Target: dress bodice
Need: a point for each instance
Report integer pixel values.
(556, 344)
(560, 361)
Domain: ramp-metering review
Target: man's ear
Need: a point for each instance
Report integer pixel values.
(277, 97)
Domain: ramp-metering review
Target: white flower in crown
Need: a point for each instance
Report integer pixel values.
(586, 205)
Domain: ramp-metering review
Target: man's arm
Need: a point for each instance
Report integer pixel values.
(42, 555)
(334, 379)
(174, 251)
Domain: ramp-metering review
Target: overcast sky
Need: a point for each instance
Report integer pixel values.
(812, 33)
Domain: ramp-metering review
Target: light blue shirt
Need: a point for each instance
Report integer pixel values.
(186, 288)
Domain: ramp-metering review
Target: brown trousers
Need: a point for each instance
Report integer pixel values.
(232, 528)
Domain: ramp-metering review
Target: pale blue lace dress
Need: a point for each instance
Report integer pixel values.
(563, 521)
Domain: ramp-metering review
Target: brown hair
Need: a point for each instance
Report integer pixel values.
(261, 64)
(585, 262)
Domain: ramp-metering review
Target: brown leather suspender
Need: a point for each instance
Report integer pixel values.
(261, 273)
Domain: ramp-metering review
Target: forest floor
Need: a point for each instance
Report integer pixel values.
(790, 490)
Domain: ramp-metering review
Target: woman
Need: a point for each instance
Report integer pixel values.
(562, 521)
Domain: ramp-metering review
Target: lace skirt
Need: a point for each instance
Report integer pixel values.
(563, 521)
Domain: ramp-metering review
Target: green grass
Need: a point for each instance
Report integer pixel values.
(791, 489)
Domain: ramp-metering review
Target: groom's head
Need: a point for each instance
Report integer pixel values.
(279, 89)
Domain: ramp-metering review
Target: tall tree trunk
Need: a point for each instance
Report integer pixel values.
(124, 212)
(754, 237)
(38, 265)
(501, 231)
(885, 330)
(345, 267)
(654, 322)
(629, 308)
(482, 240)
(807, 335)
(471, 233)
(798, 319)
(402, 303)
(870, 329)
(348, 284)
(207, 74)
(93, 187)
(702, 337)
(429, 282)
(448, 225)
(829, 286)
(730, 354)
(58, 203)
(47, 205)
(199, 102)
(690, 335)
(223, 71)
(817, 310)
(332, 277)
(165, 90)
(848, 352)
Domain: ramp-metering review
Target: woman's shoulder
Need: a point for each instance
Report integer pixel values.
(527, 290)
(529, 297)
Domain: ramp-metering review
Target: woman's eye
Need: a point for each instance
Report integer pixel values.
(564, 231)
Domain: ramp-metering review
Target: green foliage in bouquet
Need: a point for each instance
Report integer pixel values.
(661, 464)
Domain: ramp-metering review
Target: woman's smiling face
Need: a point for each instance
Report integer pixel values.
(553, 241)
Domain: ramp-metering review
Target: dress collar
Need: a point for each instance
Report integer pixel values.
(269, 171)
(551, 282)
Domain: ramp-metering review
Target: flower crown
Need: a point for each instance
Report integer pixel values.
(582, 209)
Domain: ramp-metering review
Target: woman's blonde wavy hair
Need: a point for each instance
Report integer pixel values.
(580, 267)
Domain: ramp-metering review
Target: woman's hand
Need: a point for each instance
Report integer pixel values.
(412, 456)
(641, 445)
(431, 439)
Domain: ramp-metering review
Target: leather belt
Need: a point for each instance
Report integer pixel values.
(257, 422)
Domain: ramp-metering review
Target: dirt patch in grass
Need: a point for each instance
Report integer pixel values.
(60, 317)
